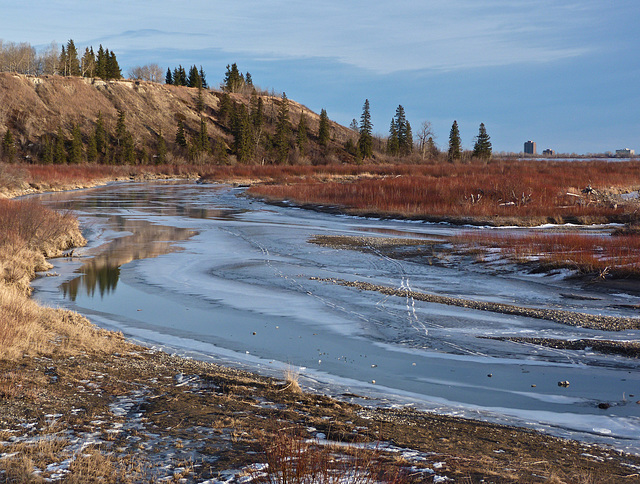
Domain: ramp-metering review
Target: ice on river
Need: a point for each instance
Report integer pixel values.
(209, 273)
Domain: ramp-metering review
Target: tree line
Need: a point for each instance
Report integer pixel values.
(22, 58)
(400, 142)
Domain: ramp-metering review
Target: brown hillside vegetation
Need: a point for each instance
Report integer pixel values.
(34, 108)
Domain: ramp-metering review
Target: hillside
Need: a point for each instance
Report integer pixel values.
(33, 109)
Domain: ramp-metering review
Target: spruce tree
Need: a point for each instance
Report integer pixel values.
(73, 64)
(482, 147)
(203, 79)
(100, 135)
(283, 131)
(181, 140)
(168, 79)
(48, 147)
(431, 148)
(129, 152)
(233, 79)
(8, 147)
(242, 133)
(455, 150)
(408, 138)
(365, 142)
(161, 149)
(92, 148)
(323, 129)
(248, 80)
(75, 148)
(301, 137)
(121, 128)
(59, 153)
(203, 137)
(113, 68)
(101, 63)
(63, 63)
(392, 143)
(193, 79)
(224, 112)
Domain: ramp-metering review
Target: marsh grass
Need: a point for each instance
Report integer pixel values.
(292, 459)
(617, 256)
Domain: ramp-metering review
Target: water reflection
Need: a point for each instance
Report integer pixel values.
(175, 199)
(143, 240)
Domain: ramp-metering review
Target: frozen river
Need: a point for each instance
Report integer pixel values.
(206, 272)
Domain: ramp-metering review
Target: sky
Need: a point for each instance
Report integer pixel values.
(565, 74)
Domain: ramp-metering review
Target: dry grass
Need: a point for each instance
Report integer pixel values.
(617, 256)
(522, 191)
(29, 232)
(292, 459)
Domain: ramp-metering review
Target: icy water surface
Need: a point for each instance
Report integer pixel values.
(207, 272)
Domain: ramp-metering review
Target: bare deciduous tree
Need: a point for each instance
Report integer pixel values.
(424, 133)
(148, 72)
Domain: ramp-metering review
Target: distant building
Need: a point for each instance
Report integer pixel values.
(625, 153)
(530, 147)
(546, 152)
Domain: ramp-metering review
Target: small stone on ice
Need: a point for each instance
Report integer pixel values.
(373, 381)
(490, 375)
(374, 366)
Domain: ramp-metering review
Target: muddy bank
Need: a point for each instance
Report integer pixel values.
(630, 349)
(591, 321)
(139, 415)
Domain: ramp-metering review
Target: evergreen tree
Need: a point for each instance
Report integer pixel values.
(283, 131)
(257, 111)
(455, 150)
(121, 128)
(408, 138)
(301, 138)
(242, 133)
(168, 79)
(194, 78)
(63, 63)
(179, 76)
(113, 68)
(354, 125)
(225, 108)
(73, 64)
(203, 79)
(129, 151)
(101, 63)
(248, 80)
(233, 80)
(100, 135)
(181, 140)
(365, 142)
(482, 147)
(59, 153)
(161, 149)
(220, 151)
(92, 148)
(323, 129)
(393, 145)
(203, 137)
(200, 101)
(431, 148)
(48, 147)
(75, 148)
(8, 147)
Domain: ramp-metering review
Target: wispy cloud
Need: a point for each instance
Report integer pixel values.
(376, 35)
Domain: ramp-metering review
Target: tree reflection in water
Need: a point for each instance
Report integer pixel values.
(143, 240)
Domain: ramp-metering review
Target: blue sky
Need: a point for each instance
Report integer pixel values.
(562, 73)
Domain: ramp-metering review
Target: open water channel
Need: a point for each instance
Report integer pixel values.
(204, 271)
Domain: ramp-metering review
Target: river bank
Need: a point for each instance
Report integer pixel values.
(96, 409)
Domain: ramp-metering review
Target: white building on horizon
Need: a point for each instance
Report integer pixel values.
(625, 153)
